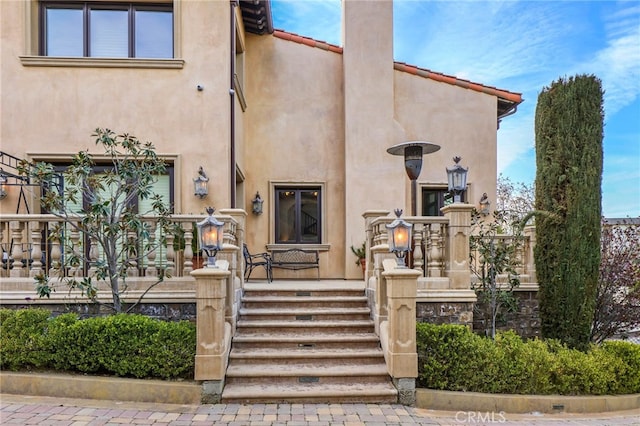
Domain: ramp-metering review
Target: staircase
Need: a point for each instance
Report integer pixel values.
(306, 346)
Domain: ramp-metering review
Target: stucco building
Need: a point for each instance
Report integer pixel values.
(212, 84)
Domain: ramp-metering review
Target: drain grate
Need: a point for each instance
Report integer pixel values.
(303, 293)
(306, 345)
(304, 317)
(308, 379)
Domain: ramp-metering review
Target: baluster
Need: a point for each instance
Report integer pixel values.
(188, 250)
(74, 248)
(5, 255)
(56, 250)
(519, 254)
(93, 256)
(436, 252)
(132, 254)
(36, 251)
(16, 250)
(151, 270)
(171, 255)
(418, 257)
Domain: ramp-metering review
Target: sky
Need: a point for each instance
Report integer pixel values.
(523, 47)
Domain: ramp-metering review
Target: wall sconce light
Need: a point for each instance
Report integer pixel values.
(257, 204)
(399, 238)
(485, 204)
(210, 237)
(457, 177)
(201, 184)
(3, 186)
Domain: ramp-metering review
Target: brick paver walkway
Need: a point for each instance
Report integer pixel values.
(24, 410)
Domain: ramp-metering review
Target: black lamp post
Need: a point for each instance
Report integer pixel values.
(457, 178)
(210, 237)
(413, 152)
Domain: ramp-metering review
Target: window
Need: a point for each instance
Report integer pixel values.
(297, 211)
(433, 199)
(163, 187)
(102, 30)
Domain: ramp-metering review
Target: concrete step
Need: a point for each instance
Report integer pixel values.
(333, 327)
(295, 345)
(310, 314)
(288, 373)
(300, 302)
(268, 292)
(317, 341)
(302, 356)
(310, 393)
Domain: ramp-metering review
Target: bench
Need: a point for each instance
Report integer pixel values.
(295, 259)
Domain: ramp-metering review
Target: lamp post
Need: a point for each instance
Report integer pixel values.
(399, 237)
(210, 237)
(457, 179)
(413, 152)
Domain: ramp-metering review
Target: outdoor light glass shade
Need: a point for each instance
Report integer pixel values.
(210, 237)
(457, 178)
(257, 204)
(201, 186)
(3, 186)
(399, 238)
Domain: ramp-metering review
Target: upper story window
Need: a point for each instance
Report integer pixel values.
(106, 30)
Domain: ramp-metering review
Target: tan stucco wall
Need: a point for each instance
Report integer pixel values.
(462, 121)
(313, 116)
(53, 110)
(295, 134)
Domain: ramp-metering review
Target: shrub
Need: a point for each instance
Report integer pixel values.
(22, 342)
(451, 357)
(629, 354)
(124, 344)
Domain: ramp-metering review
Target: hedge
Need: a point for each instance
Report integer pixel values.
(451, 357)
(125, 345)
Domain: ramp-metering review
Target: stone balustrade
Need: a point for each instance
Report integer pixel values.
(31, 247)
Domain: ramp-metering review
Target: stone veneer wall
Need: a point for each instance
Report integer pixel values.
(162, 311)
(525, 320)
(445, 312)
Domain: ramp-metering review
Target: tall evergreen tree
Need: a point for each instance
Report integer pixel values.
(569, 130)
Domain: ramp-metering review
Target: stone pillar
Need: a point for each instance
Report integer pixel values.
(213, 332)
(400, 349)
(457, 259)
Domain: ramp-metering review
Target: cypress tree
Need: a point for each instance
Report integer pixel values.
(569, 131)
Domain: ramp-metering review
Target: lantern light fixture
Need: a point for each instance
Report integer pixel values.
(399, 238)
(257, 204)
(457, 179)
(3, 185)
(201, 184)
(485, 204)
(210, 237)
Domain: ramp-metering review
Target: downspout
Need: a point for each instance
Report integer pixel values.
(232, 101)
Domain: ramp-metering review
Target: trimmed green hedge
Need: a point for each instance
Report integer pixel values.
(124, 345)
(451, 357)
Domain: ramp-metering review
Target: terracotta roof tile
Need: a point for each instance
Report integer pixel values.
(511, 97)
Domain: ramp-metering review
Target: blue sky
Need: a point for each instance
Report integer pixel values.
(520, 46)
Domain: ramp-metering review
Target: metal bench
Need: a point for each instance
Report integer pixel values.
(295, 259)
